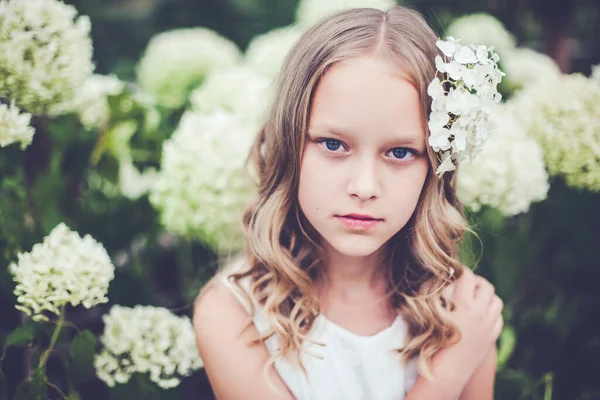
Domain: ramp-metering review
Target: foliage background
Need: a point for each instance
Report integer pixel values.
(544, 264)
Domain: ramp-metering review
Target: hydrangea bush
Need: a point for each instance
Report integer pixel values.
(525, 66)
(221, 91)
(146, 340)
(266, 52)
(91, 102)
(562, 114)
(64, 269)
(45, 54)
(484, 29)
(177, 61)
(14, 126)
(508, 174)
(202, 187)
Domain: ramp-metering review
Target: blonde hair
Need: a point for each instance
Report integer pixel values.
(282, 255)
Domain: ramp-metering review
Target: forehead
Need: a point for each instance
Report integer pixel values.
(367, 96)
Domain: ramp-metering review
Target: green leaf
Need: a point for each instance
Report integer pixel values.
(39, 382)
(73, 395)
(21, 336)
(82, 351)
(508, 341)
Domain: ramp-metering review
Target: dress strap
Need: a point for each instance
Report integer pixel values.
(236, 292)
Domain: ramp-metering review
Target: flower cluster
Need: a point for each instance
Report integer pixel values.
(462, 101)
(14, 126)
(146, 339)
(311, 11)
(266, 52)
(132, 183)
(484, 29)
(524, 67)
(91, 100)
(45, 54)
(202, 187)
(509, 174)
(221, 90)
(562, 114)
(65, 268)
(177, 61)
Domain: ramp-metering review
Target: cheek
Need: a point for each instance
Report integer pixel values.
(406, 190)
(313, 180)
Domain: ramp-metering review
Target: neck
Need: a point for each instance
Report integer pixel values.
(353, 278)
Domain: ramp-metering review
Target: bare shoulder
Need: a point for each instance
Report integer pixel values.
(225, 337)
(217, 310)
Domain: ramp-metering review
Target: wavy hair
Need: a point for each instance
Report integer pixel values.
(282, 255)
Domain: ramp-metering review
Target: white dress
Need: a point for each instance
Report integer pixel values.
(351, 367)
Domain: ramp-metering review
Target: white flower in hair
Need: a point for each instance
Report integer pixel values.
(462, 101)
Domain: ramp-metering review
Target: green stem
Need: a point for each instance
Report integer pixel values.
(59, 325)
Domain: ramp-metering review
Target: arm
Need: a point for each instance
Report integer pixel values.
(448, 378)
(465, 370)
(481, 383)
(234, 368)
(480, 386)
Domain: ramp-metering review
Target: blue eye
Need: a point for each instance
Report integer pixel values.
(400, 152)
(331, 144)
(403, 154)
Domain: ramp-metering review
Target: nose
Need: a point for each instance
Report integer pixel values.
(363, 182)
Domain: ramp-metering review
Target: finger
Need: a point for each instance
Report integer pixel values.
(499, 324)
(484, 292)
(465, 288)
(496, 306)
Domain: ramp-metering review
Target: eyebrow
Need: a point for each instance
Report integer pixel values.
(406, 140)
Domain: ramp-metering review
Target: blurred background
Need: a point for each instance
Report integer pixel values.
(119, 161)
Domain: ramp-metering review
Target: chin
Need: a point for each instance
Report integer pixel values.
(356, 246)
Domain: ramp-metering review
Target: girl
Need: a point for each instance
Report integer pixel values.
(352, 241)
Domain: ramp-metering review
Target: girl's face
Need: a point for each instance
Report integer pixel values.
(364, 154)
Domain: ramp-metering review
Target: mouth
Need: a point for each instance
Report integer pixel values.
(358, 221)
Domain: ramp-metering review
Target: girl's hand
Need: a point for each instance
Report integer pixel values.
(478, 315)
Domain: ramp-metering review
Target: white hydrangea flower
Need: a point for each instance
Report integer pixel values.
(15, 126)
(45, 54)
(484, 29)
(524, 66)
(463, 102)
(309, 12)
(509, 174)
(132, 183)
(202, 187)
(266, 52)
(91, 100)
(65, 268)
(563, 115)
(221, 90)
(146, 339)
(177, 61)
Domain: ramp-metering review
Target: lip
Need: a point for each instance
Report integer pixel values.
(358, 221)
